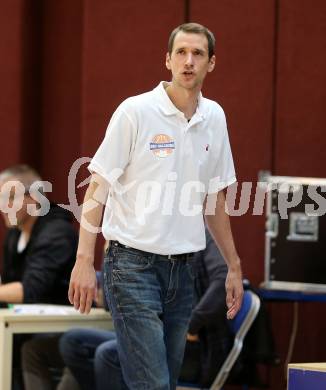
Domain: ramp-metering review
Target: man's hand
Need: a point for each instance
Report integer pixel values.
(234, 292)
(83, 285)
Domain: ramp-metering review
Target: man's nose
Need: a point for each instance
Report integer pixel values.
(189, 59)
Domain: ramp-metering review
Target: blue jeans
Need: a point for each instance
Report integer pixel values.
(150, 298)
(92, 357)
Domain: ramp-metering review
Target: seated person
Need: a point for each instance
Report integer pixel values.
(209, 338)
(92, 355)
(39, 250)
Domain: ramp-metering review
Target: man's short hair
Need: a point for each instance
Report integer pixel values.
(194, 28)
(22, 172)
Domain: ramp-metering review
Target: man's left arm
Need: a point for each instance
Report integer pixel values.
(12, 292)
(220, 228)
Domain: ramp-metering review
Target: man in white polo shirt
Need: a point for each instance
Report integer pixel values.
(163, 163)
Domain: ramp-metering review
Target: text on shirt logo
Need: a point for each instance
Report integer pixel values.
(162, 145)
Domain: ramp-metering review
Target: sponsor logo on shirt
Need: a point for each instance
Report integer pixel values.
(162, 145)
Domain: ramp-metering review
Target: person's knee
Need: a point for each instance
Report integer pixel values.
(106, 355)
(107, 368)
(68, 346)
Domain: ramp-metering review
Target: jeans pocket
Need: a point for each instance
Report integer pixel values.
(127, 260)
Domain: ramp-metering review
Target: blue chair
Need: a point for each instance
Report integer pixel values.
(240, 326)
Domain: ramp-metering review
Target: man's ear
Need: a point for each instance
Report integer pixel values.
(211, 64)
(167, 61)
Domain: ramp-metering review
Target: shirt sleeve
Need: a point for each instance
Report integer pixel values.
(115, 151)
(224, 172)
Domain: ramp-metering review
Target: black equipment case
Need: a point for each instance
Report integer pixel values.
(295, 241)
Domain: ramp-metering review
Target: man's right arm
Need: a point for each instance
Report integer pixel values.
(82, 288)
(220, 229)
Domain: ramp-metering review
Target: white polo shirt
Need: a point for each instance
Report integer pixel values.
(160, 168)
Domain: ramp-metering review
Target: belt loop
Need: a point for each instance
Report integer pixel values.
(169, 257)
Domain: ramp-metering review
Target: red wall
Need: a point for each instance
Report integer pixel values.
(11, 74)
(301, 88)
(61, 87)
(66, 65)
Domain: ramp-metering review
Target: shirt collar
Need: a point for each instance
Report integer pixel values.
(200, 107)
(168, 108)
